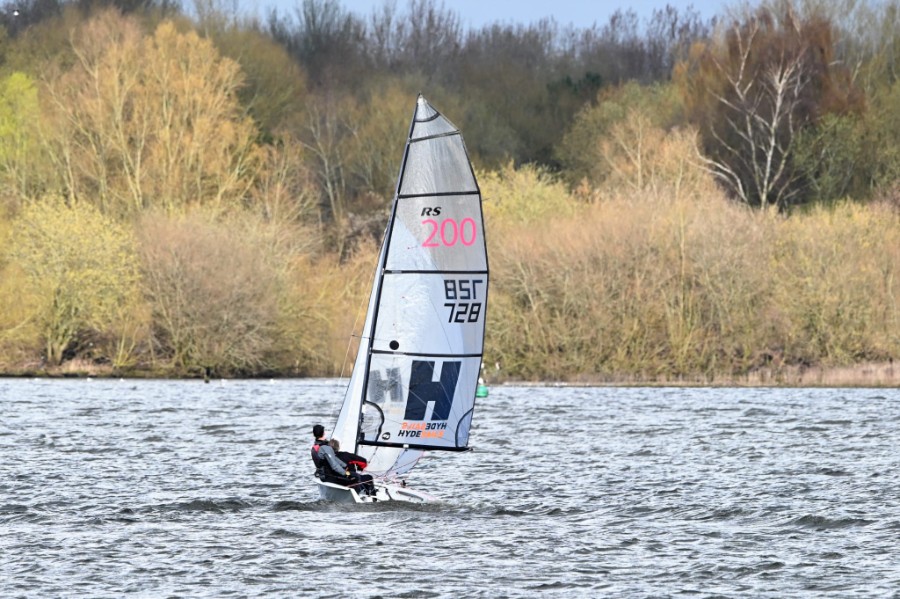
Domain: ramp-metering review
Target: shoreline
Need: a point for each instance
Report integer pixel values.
(865, 375)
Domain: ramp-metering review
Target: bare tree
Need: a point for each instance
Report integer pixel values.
(754, 90)
(324, 137)
(325, 39)
(761, 119)
(212, 292)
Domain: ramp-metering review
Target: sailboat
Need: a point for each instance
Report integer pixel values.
(415, 376)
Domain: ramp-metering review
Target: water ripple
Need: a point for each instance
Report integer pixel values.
(167, 488)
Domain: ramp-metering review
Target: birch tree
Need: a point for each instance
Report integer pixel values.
(761, 122)
(753, 92)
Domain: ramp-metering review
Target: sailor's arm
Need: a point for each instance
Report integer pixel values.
(333, 462)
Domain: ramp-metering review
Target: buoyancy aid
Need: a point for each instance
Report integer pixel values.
(314, 452)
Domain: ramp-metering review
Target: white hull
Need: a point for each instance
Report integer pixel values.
(383, 492)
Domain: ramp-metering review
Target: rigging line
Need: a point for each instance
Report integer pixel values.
(336, 407)
(364, 304)
(391, 473)
(378, 279)
(351, 485)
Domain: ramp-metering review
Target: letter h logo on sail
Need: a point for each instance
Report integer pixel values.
(429, 399)
(379, 387)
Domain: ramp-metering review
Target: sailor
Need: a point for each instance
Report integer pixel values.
(327, 463)
(319, 435)
(331, 469)
(355, 465)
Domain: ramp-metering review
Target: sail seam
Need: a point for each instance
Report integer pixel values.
(438, 194)
(435, 136)
(415, 446)
(435, 272)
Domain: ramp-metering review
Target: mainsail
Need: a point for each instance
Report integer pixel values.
(416, 372)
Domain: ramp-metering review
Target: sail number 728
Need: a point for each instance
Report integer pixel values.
(463, 299)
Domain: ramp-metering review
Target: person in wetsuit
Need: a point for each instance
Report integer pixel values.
(332, 469)
(355, 465)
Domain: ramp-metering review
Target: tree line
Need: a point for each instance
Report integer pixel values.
(188, 189)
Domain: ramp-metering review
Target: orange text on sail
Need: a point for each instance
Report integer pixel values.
(422, 430)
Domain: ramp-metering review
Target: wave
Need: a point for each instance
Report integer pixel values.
(825, 523)
(833, 472)
(199, 505)
(722, 514)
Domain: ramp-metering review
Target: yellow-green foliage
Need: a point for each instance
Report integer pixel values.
(5, 234)
(18, 336)
(19, 339)
(19, 115)
(885, 138)
(638, 285)
(523, 196)
(835, 272)
(629, 120)
(322, 317)
(80, 272)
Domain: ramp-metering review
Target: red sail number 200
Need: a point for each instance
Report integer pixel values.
(448, 232)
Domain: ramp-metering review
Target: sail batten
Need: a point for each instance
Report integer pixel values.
(428, 118)
(415, 376)
(442, 272)
(440, 194)
(423, 355)
(434, 136)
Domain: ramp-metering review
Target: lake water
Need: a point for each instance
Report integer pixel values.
(172, 488)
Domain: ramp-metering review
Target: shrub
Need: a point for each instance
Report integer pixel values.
(80, 274)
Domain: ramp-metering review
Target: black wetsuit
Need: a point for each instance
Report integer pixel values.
(332, 467)
(356, 464)
(329, 467)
